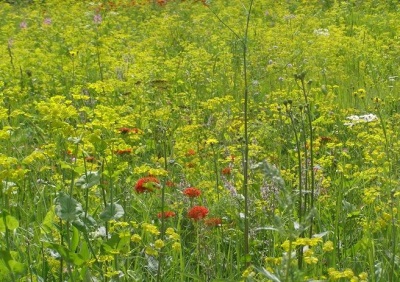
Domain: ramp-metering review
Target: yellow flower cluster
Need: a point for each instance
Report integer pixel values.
(347, 273)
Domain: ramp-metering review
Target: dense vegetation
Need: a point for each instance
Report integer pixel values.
(165, 141)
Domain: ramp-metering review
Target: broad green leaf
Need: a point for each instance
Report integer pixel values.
(114, 211)
(84, 251)
(8, 221)
(83, 223)
(67, 208)
(75, 238)
(48, 221)
(90, 179)
(67, 255)
(117, 242)
(7, 263)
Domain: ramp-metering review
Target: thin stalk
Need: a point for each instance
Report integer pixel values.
(216, 171)
(393, 265)
(10, 54)
(162, 233)
(311, 140)
(300, 180)
(246, 141)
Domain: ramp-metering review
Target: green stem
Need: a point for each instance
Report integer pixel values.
(162, 233)
(300, 208)
(216, 171)
(246, 142)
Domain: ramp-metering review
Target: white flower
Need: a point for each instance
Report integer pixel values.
(321, 32)
(354, 119)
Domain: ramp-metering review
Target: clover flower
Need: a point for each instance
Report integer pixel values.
(197, 212)
(147, 184)
(192, 192)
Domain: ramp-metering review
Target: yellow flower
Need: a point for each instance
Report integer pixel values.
(211, 141)
(311, 260)
(176, 246)
(136, 238)
(248, 272)
(285, 245)
(151, 251)
(150, 228)
(159, 244)
(363, 275)
(348, 273)
(328, 246)
(169, 231)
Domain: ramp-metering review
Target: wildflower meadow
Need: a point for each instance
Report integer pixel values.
(173, 140)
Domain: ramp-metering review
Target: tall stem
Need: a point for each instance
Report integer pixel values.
(246, 141)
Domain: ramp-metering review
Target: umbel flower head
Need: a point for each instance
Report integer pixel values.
(147, 184)
(197, 212)
(192, 192)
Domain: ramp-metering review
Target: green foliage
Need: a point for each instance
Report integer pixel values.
(96, 98)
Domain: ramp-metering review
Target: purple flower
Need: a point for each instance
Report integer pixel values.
(23, 25)
(47, 21)
(97, 19)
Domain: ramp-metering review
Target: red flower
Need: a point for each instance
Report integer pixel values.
(166, 214)
(226, 171)
(147, 184)
(126, 130)
(192, 192)
(169, 183)
(212, 222)
(123, 152)
(190, 152)
(197, 212)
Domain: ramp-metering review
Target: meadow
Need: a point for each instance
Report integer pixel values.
(239, 140)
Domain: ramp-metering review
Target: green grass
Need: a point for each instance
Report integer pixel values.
(98, 97)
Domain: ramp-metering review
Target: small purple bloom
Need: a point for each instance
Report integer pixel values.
(23, 25)
(47, 21)
(97, 19)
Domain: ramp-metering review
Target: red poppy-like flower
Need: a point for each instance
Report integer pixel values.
(166, 214)
(147, 184)
(198, 212)
(192, 192)
(126, 130)
(226, 171)
(212, 222)
(123, 152)
(190, 152)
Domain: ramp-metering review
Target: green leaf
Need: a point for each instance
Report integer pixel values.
(89, 179)
(48, 221)
(8, 264)
(67, 208)
(75, 238)
(117, 242)
(84, 223)
(8, 221)
(67, 255)
(114, 211)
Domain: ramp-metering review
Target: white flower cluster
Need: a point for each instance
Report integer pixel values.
(354, 119)
(321, 32)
